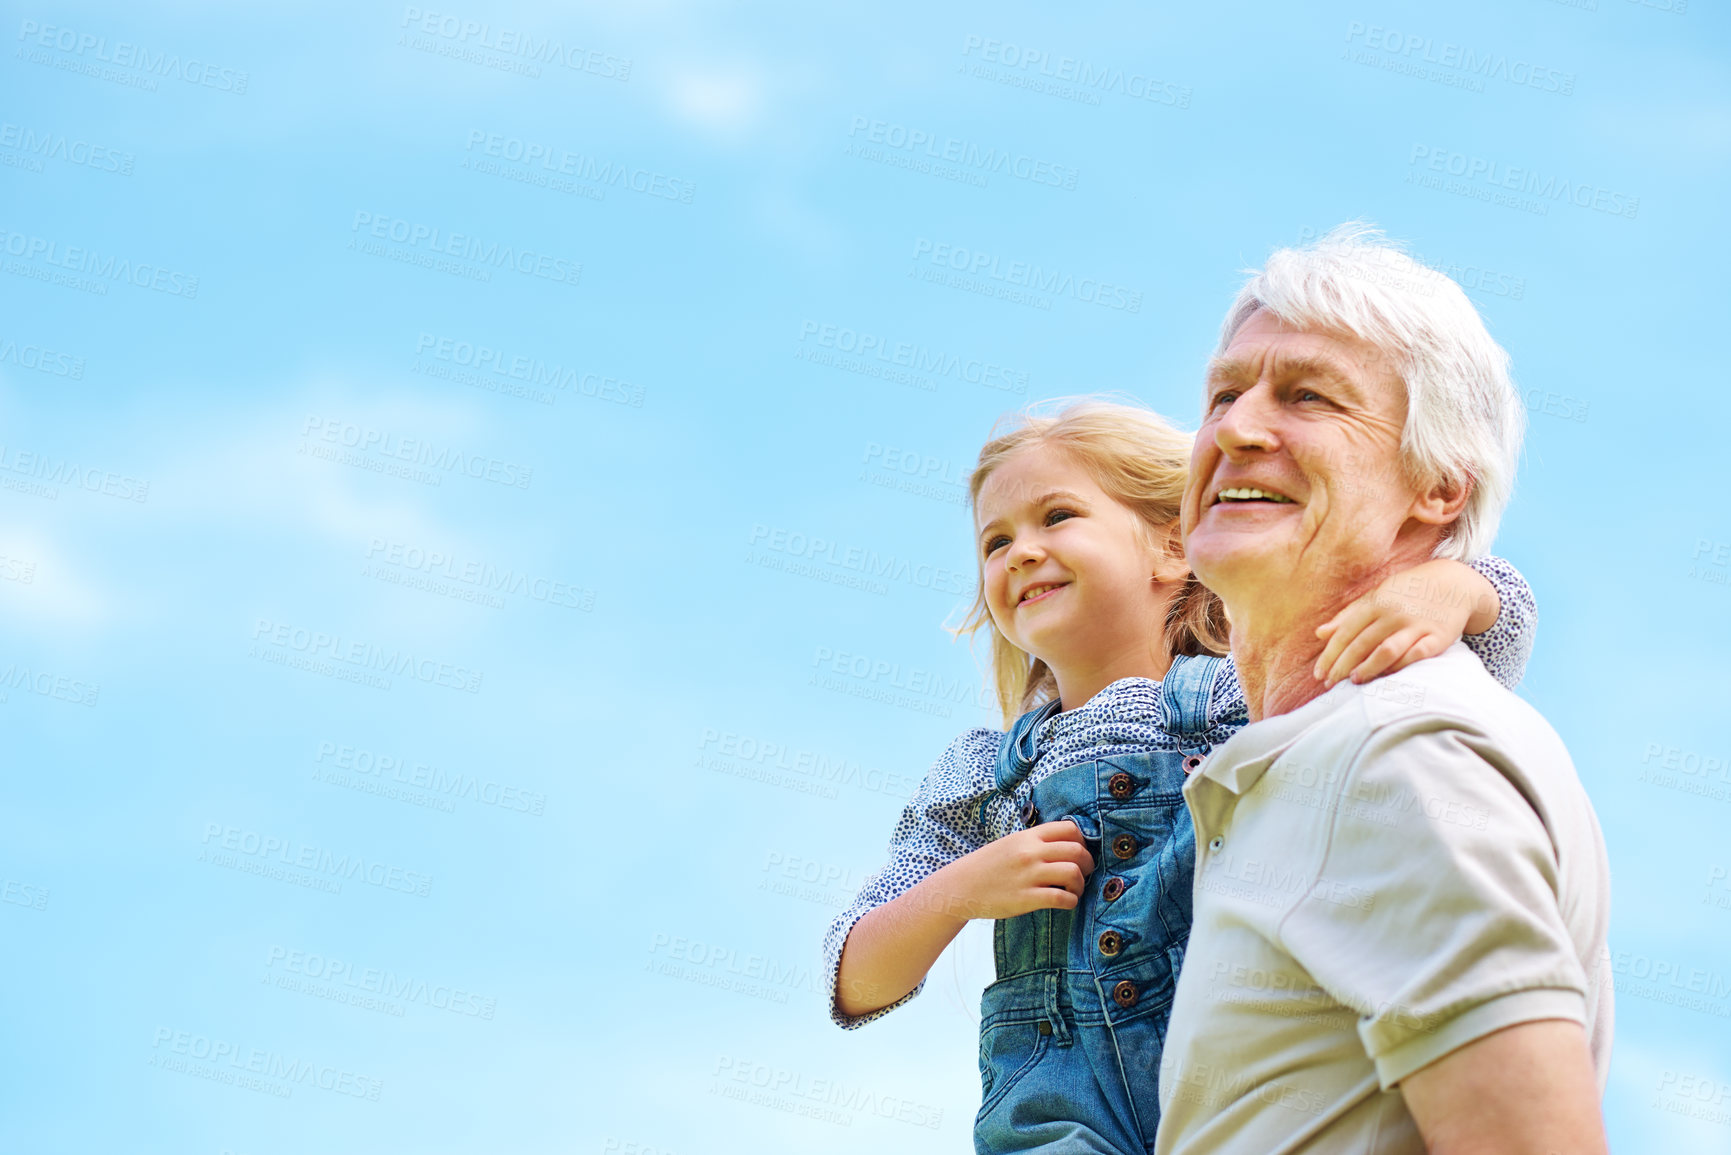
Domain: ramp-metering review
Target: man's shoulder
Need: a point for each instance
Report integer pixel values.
(1454, 724)
(1453, 691)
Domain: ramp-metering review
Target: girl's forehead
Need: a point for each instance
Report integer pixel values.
(1030, 474)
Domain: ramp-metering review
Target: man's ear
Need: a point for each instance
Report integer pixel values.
(1443, 503)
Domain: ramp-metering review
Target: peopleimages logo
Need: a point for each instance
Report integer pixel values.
(51, 146)
(878, 674)
(425, 776)
(829, 1100)
(47, 684)
(1018, 276)
(365, 657)
(290, 854)
(432, 240)
(580, 166)
(866, 562)
(481, 575)
(64, 471)
(1673, 982)
(257, 1061)
(1446, 54)
(532, 371)
(166, 65)
(385, 983)
(1088, 78)
(765, 759)
(103, 267)
(914, 356)
(41, 359)
(1478, 170)
(530, 48)
(970, 156)
(418, 450)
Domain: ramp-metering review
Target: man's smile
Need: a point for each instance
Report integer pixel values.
(1242, 494)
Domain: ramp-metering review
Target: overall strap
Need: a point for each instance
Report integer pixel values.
(1184, 693)
(1017, 751)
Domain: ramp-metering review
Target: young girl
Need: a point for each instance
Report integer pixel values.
(1070, 830)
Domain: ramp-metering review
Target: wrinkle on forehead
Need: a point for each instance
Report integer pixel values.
(1281, 365)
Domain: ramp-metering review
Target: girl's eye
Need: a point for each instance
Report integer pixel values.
(1058, 515)
(992, 544)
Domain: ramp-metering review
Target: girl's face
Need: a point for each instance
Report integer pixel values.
(1069, 573)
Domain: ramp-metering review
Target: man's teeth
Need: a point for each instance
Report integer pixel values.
(1243, 493)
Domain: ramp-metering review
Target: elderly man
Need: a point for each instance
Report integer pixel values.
(1401, 889)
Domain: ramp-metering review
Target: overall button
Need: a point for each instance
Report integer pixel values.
(1111, 943)
(1124, 994)
(1113, 889)
(1124, 845)
(1045, 1027)
(1030, 813)
(1120, 785)
(1216, 842)
(1191, 763)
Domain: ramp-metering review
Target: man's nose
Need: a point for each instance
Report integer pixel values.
(1248, 423)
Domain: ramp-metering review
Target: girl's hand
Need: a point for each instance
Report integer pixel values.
(1039, 868)
(893, 946)
(1415, 614)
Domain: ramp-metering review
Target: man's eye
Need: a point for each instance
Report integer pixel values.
(1309, 395)
(1224, 397)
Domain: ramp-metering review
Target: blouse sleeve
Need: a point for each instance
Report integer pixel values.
(940, 824)
(1506, 646)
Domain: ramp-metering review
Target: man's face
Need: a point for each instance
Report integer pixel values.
(1295, 478)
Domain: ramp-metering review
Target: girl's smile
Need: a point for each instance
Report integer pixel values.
(1039, 593)
(1069, 574)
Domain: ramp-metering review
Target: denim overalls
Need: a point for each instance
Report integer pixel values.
(1071, 1031)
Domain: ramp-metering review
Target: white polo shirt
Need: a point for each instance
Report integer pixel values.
(1383, 875)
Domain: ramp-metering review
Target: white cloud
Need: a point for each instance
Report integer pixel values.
(44, 591)
(725, 103)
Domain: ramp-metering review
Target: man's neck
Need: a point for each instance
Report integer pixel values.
(1275, 651)
(1277, 673)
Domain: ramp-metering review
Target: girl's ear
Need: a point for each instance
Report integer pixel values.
(1169, 563)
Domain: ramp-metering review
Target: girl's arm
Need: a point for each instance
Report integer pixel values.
(1420, 612)
(893, 946)
(938, 826)
(1505, 645)
(943, 869)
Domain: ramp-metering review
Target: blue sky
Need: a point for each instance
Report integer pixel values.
(418, 431)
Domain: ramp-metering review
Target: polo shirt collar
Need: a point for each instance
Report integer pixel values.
(1240, 763)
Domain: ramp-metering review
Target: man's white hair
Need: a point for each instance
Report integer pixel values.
(1464, 418)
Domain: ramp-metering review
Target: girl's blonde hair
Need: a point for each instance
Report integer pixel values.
(1142, 462)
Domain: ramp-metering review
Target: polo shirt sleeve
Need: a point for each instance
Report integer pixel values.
(1435, 913)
